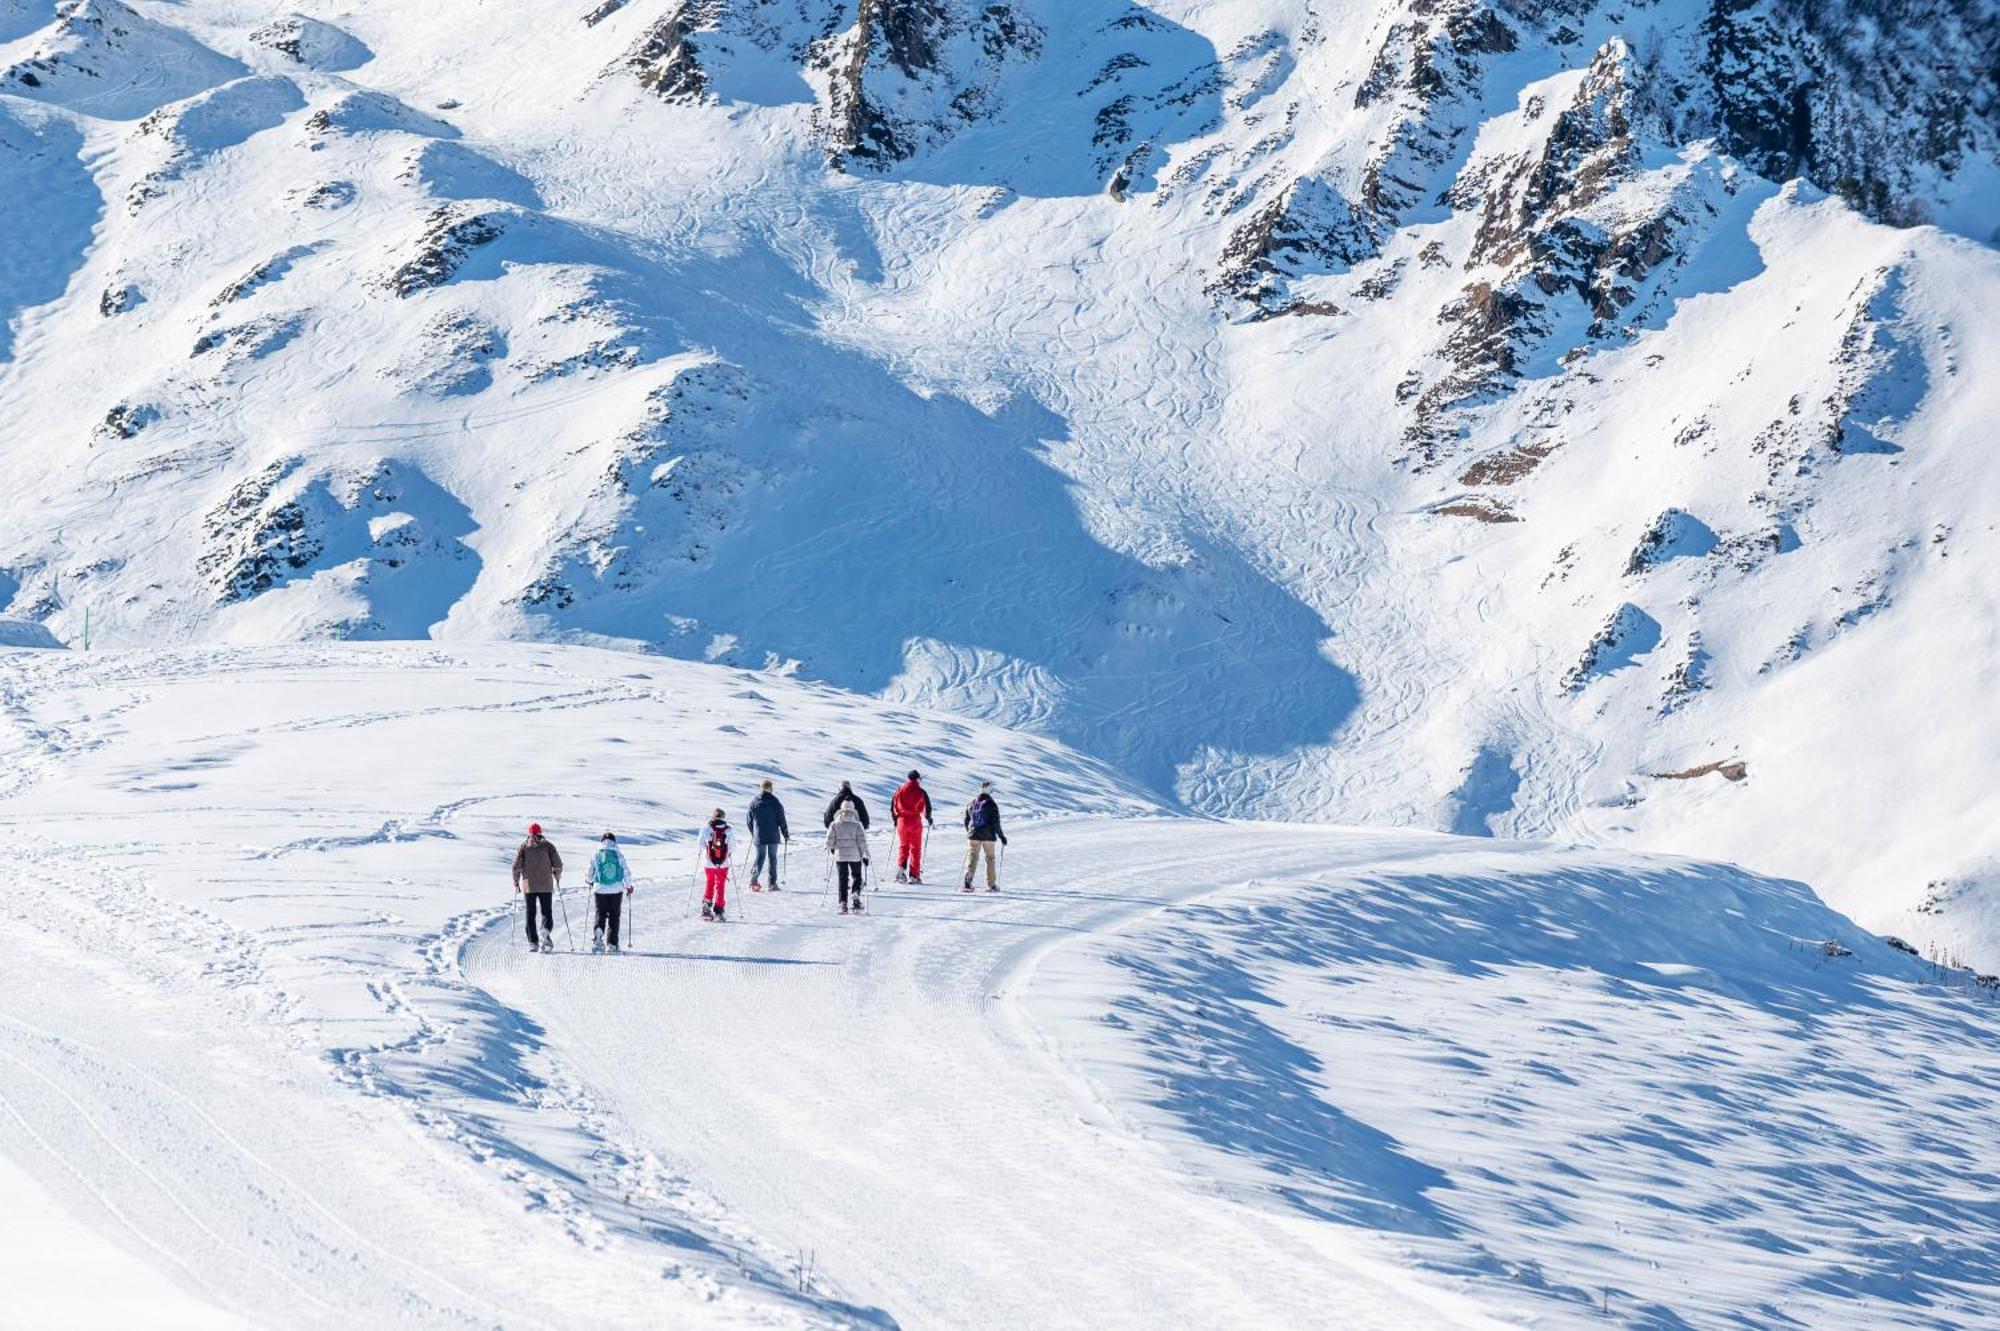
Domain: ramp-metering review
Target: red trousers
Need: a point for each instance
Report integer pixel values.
(910, 846)
(718, 880)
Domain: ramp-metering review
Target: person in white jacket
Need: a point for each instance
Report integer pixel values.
(847, 842)
(611, 877)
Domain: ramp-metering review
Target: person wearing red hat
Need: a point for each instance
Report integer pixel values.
(537, 874)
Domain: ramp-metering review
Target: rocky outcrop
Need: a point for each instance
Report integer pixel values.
(665, 58)
(1874, 100)
(311, 42)
(450, 236)
(1627, 635)
(910, 73)
(1308, 230)
(253, 538)
(1428, 67)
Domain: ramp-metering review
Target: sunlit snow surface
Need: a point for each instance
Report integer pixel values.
(271, 1032)
(396, 321)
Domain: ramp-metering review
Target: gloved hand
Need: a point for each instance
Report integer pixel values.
(1003, 840)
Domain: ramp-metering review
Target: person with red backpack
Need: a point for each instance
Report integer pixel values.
(910, 804)
(715, 867)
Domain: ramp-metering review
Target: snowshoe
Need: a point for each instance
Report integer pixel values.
(916, 880)
(707, 911)
(774, 887)
(611, 948)
(902, 876)
(843, 908)
(756, 886)
(857, 905)
(967, 887)
(719, 918)
(548, 945)
(993, 889)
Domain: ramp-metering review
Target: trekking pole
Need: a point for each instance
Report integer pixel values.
(826, 880)
(694, 887)
(564, 902)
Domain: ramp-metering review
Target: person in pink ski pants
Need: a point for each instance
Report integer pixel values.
(715, 866)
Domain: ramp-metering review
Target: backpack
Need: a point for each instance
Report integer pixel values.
(982, 815)
(610, 868)
(718, 845)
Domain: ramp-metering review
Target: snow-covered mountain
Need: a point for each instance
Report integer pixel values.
(1561, 419)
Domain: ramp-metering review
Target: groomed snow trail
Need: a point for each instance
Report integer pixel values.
(871, 1091)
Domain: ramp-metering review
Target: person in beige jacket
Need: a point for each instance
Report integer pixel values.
(538, 873)
(847, 842)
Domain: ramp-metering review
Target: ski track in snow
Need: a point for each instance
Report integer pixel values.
(868, 1091)
(271, 1036)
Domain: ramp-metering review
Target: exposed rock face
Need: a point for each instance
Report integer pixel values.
(252, 538)
(665, 59)
(311, 42)
(1851, 94)
(451, 234)
(1309, 228)
(1627, 635)
(908, 73)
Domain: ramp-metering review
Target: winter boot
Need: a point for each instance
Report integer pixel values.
(611, 948)
(902, 875)
(994, 888)
(756, 886)
(916, 880)
(719, 917)
(967, 887)
(843, 908)
(857, 903)
(548, 945)
(708, 910)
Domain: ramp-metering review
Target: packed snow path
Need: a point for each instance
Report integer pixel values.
(265, 1042)
(868, 1090)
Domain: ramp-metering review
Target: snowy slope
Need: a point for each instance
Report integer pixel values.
(1447, 415)
(274, 1050)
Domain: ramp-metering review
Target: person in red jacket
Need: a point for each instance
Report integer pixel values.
(911, 812)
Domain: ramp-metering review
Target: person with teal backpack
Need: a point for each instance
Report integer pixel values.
(612, 877)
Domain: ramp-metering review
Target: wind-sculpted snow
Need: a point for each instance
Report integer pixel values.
(40, 160)
(1555, 1080)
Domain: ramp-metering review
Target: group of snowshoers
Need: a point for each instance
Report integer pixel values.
(538, 866)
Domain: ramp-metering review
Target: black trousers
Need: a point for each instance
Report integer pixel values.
(546, 903)
(609, 906)
(850, 872)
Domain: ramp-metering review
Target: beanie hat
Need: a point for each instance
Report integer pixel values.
(534, 829)
(609, 836)
(913, 774)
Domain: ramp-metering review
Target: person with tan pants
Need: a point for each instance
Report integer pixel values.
(982, 829)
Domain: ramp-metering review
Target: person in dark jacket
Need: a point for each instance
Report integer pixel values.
(910, 811)
(538, 873)
(982, 829)
(767, 829)
(846, 795)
